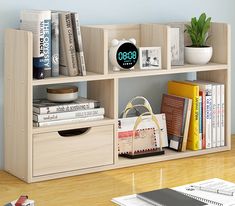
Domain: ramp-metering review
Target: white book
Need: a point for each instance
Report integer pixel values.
(68, 115)
(68, 121)
(218, 115)
(222, 110)
(214, 116)
(39, 23)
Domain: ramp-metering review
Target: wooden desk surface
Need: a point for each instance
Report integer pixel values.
(100, 188)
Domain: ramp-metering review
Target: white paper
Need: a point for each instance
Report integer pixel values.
(130, 200)
(215, 185)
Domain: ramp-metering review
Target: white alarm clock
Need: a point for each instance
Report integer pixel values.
(123, 54)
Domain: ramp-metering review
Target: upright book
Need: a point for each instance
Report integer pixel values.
(68, 60)
(190, 91)
(78, 43)
(177, 110)
(39, 23)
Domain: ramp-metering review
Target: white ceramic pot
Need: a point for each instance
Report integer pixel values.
(198, 55)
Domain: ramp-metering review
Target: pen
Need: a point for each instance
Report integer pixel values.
(218, 191)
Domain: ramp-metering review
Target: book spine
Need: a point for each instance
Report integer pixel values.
(47, 44)
(208, 121)
(68, 121)
(200, 122)
(214, 116)
(67, 115)
(222, 110)
(34, 22)
(203, 94)
(218, 116)
(69, 60)
(55, 44)
(66, 108)
(194, 127)
(78, 43)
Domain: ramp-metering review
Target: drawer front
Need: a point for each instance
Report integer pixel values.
(53, 153)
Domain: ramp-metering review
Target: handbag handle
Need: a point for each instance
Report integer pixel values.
(131, 106)
(139, 120)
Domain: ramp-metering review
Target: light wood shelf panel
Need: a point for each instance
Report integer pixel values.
(105, 121)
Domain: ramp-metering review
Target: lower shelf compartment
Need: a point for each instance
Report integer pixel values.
(169, 155)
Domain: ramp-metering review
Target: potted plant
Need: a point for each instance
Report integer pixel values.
(198, 52)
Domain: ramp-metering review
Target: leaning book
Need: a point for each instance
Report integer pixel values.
(43, 106)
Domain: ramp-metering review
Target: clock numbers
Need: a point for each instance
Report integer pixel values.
(127, 55)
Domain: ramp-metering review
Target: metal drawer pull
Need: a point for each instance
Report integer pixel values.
(73, 132)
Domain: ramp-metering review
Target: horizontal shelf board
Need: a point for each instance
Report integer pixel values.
(174, 70)
(105, 121)
(169, 155)
(65, 79)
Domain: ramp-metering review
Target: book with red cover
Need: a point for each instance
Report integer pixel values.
(177, 110)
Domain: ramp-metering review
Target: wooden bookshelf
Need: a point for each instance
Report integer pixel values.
(36, 154)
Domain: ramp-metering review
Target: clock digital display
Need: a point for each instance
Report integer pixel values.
(127, 55)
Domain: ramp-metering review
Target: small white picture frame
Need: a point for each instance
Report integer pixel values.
(150, 58)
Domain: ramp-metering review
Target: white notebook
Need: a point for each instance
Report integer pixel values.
(213, 192)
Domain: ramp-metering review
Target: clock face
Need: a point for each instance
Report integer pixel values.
(127, 55)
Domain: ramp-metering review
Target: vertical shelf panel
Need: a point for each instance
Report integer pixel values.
(95, 52)
(103, 91)
(18, 103)
(157, 35)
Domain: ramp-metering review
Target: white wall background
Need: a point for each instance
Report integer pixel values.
(121, 11)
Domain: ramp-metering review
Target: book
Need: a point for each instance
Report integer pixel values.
(177, 110)
(68, 121)
(68, 115)
(39, 23)
(55, 39)
(207, 87)
(68, 60)
(213, 191)
(168, 197)
(44, 106)
(191, 91)
(222, 112)
(203, 116)
(78, 43)
(200, 120)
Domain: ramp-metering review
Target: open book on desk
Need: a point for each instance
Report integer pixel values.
(212, 192)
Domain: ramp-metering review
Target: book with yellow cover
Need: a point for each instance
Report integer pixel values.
(191, 91)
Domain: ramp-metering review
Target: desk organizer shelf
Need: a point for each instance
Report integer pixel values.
(36, 154)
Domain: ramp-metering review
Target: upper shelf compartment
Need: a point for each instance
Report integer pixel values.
(97, 40)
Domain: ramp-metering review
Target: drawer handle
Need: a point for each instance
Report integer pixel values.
(73, 132)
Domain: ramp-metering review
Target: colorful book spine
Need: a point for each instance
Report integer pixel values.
(68, 115)
(47, 45)
(78, 43)
(68, 60)
(38, 22)
(208, 119)
(222, 111)
(191, 91)
(55, 31)
(200, 121)
(203, 122)
(68, 121)
(214, 116)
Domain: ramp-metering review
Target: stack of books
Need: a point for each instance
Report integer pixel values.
(46, 113)
(206, 127)
(57, 42)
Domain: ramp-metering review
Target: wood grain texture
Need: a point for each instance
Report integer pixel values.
(18, 102)
(99, 188)
(53, 153)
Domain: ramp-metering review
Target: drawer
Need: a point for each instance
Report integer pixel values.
(55, 152)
